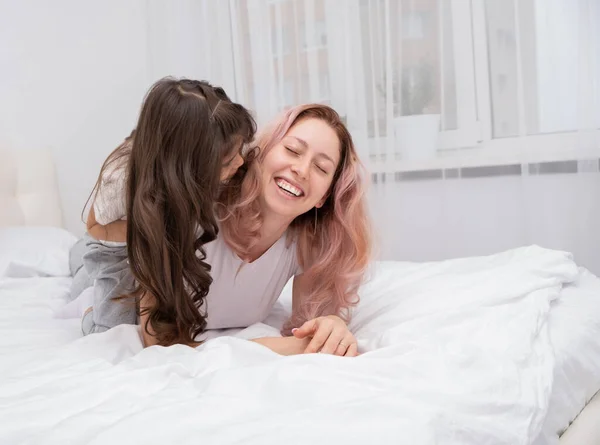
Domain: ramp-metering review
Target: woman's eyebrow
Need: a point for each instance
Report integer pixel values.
(326, 156)
(302, 141)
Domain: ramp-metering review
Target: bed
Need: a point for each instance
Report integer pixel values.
(503, 349)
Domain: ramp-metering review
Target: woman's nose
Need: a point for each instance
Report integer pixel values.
(300, 167)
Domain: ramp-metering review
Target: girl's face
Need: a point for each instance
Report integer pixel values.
(298, 171)
(231, 163)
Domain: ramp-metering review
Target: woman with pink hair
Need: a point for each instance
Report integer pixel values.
(300, 194)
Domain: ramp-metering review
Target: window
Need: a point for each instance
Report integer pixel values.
(537, 53)
(324, 91)
(313, 35)
(280, 41)
(413, 25)
(481, 78)
(409, 48)
(321, 93)
(289, 95)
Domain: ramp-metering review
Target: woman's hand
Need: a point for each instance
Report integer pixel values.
(330, 335)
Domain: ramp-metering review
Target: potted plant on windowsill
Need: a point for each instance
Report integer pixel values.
(416, 128)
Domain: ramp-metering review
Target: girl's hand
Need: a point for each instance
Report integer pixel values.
(330, 335)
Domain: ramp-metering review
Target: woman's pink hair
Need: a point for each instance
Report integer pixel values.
(335, 252)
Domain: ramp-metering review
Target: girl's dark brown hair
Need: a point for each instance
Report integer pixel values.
(186, 129)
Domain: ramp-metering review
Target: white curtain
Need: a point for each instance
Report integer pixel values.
(478, 119)
(375, 61)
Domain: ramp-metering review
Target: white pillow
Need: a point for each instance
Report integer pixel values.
(35, 252)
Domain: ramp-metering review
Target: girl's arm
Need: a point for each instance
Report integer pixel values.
(114, 231)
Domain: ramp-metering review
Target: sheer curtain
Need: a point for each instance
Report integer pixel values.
(478, 120)
(380, 63)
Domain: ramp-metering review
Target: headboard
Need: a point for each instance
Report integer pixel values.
(28, 189)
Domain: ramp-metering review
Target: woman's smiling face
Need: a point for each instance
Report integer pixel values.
(298, 171)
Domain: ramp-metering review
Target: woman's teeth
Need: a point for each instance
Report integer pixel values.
(283, 184)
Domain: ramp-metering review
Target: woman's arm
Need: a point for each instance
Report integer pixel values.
(280, 345)
(114, 231)
(329, 333)
(287, 345)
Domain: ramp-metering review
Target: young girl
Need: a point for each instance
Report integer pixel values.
(153, 209)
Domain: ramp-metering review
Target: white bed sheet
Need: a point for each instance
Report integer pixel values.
(460, 354)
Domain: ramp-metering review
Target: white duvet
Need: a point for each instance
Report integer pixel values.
(457, 352)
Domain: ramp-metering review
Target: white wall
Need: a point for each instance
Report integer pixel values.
(72, 77)
(434, 220)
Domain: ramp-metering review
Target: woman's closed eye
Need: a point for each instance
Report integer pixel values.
(323, 170)
(295, 152)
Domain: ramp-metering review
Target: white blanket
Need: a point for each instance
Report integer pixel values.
(457, 352)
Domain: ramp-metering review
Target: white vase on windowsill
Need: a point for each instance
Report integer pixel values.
(416, 137)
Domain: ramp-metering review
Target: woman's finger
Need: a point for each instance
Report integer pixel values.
(345, 343)
(352, 350)
(342, 348)
(333, 342)
(319, 339)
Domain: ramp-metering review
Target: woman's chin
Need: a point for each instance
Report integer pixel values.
(283, 209)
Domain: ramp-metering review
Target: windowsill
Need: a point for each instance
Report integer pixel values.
(584, 145)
